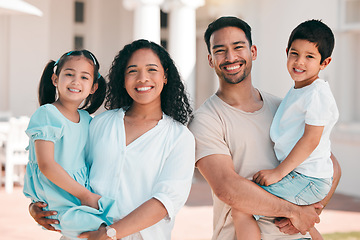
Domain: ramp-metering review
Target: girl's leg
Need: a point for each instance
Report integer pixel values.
(315, 235)
(246, 227)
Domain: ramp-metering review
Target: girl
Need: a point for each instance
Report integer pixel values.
(58, 131)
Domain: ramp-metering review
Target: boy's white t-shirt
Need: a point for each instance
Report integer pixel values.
(313, 105)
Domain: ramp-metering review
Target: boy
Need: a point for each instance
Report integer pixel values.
(301, 127)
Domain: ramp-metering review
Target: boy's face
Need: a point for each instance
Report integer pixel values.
(303, 62)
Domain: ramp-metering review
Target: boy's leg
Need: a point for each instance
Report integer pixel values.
(246, 227)
(315, 235)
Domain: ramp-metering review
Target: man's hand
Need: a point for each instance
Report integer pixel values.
(306, 217)
(267, 177)
(40, 216)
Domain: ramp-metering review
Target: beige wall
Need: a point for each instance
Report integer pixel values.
(271, 22)
(28, 42)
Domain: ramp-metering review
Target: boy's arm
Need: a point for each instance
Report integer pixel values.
(247, 197)
(302, 150)
(285, 225)
(56, 174)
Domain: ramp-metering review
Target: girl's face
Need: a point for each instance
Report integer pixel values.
(145, 77)
(75, 81)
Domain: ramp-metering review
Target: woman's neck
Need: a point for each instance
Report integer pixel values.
(144, 112)
(139, 119)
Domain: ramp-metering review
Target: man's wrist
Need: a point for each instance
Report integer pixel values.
(291, 211)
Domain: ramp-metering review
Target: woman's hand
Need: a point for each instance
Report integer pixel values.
(40, 216)
(285, 226)
(100, 234)
(91, 200)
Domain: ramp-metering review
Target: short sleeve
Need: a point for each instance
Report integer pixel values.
(172, 187)
(209, 135)
(320, 106)
(44, 125)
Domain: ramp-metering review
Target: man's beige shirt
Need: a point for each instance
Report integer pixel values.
(222, 129)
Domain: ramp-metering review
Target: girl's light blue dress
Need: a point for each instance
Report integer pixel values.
(69, 139)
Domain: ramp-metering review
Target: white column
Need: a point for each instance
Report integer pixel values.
(182, 38)
(146, 18)
(4, 63)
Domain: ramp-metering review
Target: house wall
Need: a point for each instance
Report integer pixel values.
(27, 43)
(33, 41)
(272, 23)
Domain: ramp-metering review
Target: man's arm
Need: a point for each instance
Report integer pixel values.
(336, 179)
(247, 197)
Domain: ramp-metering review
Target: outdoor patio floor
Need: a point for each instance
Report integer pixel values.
(193, 222)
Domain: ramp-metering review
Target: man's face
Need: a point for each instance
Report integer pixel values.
(231, 56)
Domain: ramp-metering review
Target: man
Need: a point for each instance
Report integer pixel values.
(232, 140)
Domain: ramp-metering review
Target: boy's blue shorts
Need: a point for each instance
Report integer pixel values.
(300, 189)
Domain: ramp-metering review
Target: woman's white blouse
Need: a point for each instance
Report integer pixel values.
(159, 164)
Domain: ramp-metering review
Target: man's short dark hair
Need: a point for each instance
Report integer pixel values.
(317, 32)
(227, 21)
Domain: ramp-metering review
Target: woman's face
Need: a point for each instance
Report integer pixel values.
(145, 77)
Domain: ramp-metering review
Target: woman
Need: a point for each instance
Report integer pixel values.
(140, 152)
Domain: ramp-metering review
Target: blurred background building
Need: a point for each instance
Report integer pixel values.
(29, 40)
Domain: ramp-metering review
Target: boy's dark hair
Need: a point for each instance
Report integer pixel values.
(317, 32)
(47, 91)
(223, 22)
(174, 100)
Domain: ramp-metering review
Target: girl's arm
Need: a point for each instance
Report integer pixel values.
(55, 173)
(302, 150)
(146, 215)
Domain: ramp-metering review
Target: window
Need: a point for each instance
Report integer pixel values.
(79, 12)
(164, 29)
(350, 17)
(163, 19)
(79, 42)
(164, 43)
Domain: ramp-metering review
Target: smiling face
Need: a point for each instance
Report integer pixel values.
(75, 80)
(145, 77)
(231, 56)
(303, 62)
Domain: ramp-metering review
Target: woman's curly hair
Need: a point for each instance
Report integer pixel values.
(174, 99)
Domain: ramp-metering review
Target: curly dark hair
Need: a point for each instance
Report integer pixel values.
(174, 99)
